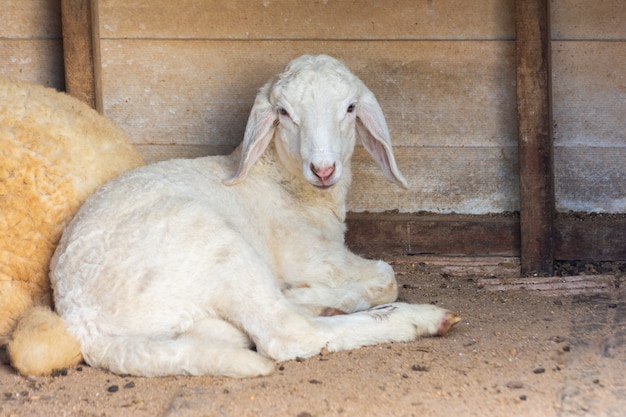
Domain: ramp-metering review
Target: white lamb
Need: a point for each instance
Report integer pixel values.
(184, 266)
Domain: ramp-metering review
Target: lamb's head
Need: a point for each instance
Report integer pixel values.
(314, 110)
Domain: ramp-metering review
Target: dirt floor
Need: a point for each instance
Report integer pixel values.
(525, 347)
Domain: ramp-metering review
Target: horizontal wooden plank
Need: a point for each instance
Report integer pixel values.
(593, 237)
(590, 179)
(200, 92)
(463, 266)
(589, 93)
(588, 19)
(30, 19)
(286, 19)
(38, 61)
(414, 234)
(553, 286)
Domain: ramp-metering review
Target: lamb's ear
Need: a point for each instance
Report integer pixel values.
(372, 129)
(258, 134)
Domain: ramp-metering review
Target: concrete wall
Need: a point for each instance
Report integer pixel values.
(180, 77)
(30, 41)
(589, 105)
(444, 72)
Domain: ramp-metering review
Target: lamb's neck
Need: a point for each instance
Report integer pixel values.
(333, 198)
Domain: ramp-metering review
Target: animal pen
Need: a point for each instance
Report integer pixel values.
(507, 117)
(459, 82)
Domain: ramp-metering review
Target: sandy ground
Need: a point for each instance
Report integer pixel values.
(552, 348)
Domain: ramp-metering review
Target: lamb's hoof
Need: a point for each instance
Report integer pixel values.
(448, 321)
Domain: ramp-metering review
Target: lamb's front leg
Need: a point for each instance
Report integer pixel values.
(282, 331)
(302, 336)
(347, 283)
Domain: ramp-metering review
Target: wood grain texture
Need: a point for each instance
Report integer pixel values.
(535, 138)
(327, 20)
(417, 234)
(81, 51)
(590, 237)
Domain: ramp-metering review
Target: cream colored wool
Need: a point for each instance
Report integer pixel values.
(56, 348)
(54, 151)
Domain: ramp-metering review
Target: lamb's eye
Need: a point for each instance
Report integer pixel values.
(351, 108)
(283, 112)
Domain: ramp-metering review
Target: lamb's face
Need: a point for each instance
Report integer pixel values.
(316, 129)
(314, 111)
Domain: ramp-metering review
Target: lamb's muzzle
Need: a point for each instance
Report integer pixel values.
(323, 172)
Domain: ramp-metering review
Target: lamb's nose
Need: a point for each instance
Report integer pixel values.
(323, 172)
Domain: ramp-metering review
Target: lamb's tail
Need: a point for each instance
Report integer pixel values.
(41, 343)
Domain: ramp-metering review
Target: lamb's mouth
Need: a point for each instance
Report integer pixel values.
(324, 183)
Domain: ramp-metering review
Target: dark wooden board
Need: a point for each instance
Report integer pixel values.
(579, 236)
(593, 237)
(440, 234)
(534, 136)
(81, 50)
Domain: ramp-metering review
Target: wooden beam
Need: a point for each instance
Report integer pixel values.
(535, 137)
(376, 234)
(590, 237)
(578, 237)
(81, 51)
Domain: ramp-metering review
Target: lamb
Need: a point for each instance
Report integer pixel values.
(54, 151)
(223, 265)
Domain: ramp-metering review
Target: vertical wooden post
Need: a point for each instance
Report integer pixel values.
(535, 136)
(81, 50)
